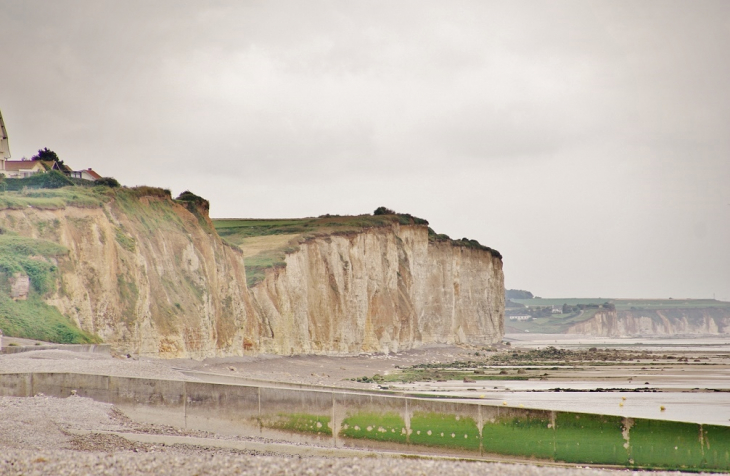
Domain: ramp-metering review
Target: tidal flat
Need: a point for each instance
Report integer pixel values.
(680, 379)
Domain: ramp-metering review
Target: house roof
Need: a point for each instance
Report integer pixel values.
(17, 165)
(93, 174)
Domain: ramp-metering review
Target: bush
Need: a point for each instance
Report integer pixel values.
(52, 179)
(190, 198)
(145, 191)
(383, 211)
(107, 182)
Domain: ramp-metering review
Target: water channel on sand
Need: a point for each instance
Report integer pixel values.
(697, 390)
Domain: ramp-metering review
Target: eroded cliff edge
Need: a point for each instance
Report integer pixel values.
(151, 276)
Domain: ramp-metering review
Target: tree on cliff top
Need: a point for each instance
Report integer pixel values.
(47, 155)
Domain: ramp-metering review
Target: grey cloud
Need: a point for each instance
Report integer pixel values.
(574, 132)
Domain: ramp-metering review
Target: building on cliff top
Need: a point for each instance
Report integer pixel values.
(87, 174)
(26, 168)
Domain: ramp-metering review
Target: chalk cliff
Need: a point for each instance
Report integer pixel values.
(144, 273)
(151, 276)
(709, 321)
(383, 289)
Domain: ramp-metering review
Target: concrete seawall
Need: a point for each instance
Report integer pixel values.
(344, 419)
(90, 348)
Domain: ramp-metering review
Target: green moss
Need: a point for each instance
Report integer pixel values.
(299, 423)
(585, 438)
(375, 426)
(666, 444)
(452, 431)
(716, 447)
(530, 434)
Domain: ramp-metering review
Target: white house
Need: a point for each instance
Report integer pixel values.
(520, 318)
(86, 174)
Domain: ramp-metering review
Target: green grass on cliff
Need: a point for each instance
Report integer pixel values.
(31, 257)
(32, 318)
(53, 199)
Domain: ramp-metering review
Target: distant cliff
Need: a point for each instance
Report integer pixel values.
(151, 276)
(674, 322)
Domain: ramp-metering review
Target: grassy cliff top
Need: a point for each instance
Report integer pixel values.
(265, 242)
(235, 229)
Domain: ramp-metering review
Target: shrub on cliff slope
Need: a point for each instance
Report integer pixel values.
(52, 179)
(107, 182)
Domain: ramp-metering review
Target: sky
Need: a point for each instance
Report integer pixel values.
(588, 141)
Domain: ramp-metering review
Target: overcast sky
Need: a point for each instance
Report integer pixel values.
(588, 141)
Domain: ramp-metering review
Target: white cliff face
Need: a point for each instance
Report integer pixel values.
(385, 289)
(711, 321)
(152, 277)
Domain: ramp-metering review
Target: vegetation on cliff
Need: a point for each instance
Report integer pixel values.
(30, 317)
(151, 209)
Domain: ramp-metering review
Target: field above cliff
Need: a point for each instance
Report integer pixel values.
(266, 242)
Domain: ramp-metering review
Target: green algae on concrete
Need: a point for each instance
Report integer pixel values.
(666, 444)
(587, 438)
(375, 426)
(299, 423)
(436, 429)
(716, 446)
(527, 433)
